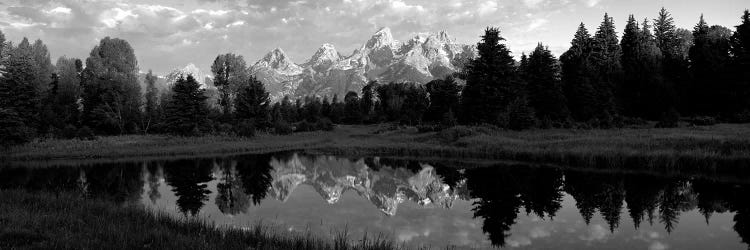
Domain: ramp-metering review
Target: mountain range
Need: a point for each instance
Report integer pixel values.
(420, 59)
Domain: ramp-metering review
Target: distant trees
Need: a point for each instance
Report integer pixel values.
(653, 72)
(187, 111)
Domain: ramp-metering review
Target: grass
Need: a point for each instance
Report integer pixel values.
(723, 148)
(65, 221)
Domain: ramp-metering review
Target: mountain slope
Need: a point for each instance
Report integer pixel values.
(423, 58)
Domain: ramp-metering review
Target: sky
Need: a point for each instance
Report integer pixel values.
(169, 34)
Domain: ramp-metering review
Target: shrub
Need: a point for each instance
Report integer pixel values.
(85, 133)
(455, 133)
(669, 119)
(246, 128)
(69, 132)
(325, 124)
(702, 121)
(282, 127)
(304, 126)
(12, 128)
(520, 115)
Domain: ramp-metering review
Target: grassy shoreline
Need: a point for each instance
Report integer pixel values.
(40, 220)
(723, 148)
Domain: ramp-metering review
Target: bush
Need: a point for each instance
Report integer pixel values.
(325, 124)
(246, 128)
(85, 133)
(520, 115)
(702, 121)
(69, 132)
(669, 119)
(282, 127)
(455, 133)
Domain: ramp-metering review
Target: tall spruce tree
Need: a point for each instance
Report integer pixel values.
(352, 111)
(152, 101)
(43, 68)
(673, 44)
(709, 58)
(492, 81)
(642, 93)
(740, 50)
(605, 60)
(577, 76)
(187, 111)
(252, 103)
(17, 92)
(543, 82)
(444, 99)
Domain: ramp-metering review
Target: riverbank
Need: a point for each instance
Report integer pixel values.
(42, 220)
(719, 148)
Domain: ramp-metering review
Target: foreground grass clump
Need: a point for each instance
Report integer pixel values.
(64, 221)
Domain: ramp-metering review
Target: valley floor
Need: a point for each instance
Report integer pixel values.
(718, 148)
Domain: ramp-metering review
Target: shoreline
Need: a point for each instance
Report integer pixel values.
(723, 148)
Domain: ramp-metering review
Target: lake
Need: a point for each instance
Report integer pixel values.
(423, 203)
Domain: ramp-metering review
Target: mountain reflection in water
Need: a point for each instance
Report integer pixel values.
(502, 205)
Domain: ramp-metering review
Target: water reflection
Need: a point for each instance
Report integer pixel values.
(509, 205)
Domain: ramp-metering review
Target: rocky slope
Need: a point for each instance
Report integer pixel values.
(420, 59)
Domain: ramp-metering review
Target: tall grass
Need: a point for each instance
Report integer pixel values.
(65, 221)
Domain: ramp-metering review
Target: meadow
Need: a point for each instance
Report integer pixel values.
(723, 148)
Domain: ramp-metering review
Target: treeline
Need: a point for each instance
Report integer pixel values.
(655, 72)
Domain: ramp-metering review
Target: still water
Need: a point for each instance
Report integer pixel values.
(432, 204)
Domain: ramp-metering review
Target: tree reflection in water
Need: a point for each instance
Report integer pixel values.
(499, 193)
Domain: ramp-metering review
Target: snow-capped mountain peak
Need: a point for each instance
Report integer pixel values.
(324, 57)
(189, 69)
(381, 38)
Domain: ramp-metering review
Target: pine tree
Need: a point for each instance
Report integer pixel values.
(543, 82)
(43, 67)
(368, 101)
(605, 60)
(17, 92)
(352, 110)
(709, 58)
(740, 50)
(152, 101)
(187, 111)
(673, 44)
(492, 81)
(577, 76)
(252, 103)
(444, 98)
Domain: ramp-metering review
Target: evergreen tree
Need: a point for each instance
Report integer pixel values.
(43, 68)
(230, 72)
(152, 101)
(111, 93)
(545, 91)
(368, 101)
(337, 110)
(325, 107)
(642, 93)
(673, 44)
(187, 111)
(444, 99)
(577, 76)
(709, 58)
(492, 81)
(740, 50)
(252, 103)
(352, 110)
(605, 61)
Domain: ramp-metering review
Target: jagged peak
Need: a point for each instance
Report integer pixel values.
(381, 38)
(326, 52)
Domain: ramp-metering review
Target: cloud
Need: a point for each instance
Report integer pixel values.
(592, 3)
(658, 246)
(532, 3)
(536, 23)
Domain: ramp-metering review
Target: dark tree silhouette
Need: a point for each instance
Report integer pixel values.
(252, 103)
(444, 98)
(188, 179)
(187, 110)
(542, 75)
(492, 81)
